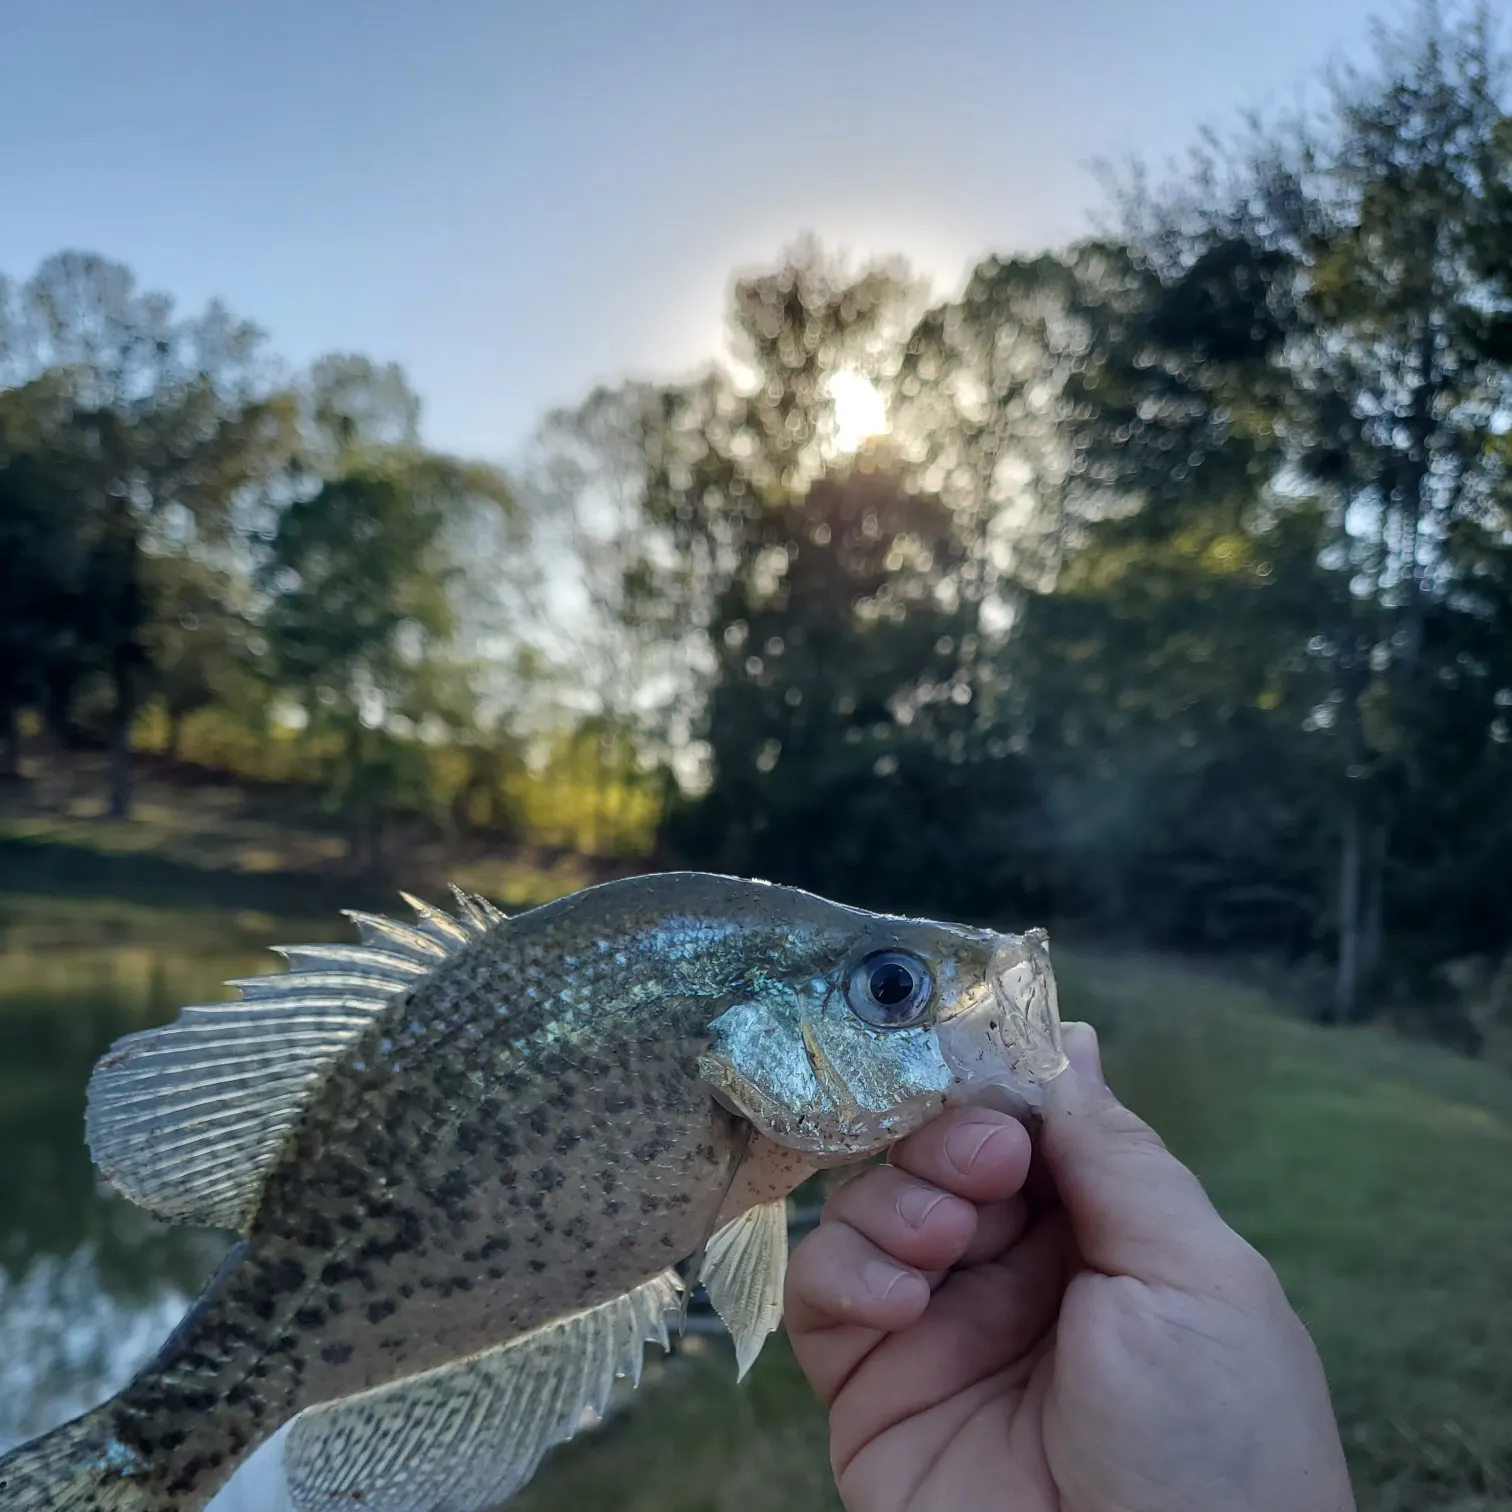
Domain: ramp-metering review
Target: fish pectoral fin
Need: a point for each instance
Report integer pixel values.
(467, 1436)
(743, 1271)
(188, 1119)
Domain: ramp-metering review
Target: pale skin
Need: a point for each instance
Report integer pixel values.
(1066, 1325)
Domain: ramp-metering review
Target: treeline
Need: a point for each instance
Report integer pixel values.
(1176, 597)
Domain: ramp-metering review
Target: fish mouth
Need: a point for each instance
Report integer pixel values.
(1003, 1041)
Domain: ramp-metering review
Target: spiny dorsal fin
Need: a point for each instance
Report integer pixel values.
(743, 1272)
(469, 1435)
(188, 1119)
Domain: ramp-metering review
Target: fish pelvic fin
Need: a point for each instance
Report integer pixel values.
(743, 1271)
(82, 1467)
(188, 1120)
(468, 1435)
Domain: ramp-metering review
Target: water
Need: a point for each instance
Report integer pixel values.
(90, 1285)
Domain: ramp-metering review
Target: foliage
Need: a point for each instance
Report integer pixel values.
(1176, 599)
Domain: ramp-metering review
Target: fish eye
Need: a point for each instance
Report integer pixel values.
(889, 989)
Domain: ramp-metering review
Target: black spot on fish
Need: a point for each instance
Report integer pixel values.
(452, 1188)
(537, 1266)
(379, 1310)
(336, 1354)
(310, 1317)
(317, 1232)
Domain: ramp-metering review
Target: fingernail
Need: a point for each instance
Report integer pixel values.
(916, 1203)
(964, 1145)
(1080, 1042)
(882, 1280)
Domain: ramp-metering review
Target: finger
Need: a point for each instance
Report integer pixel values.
(982, 1320)
(977, 1153)
(999, 1225)
(1135, 1209)
(843, 1294)
(914, 1221)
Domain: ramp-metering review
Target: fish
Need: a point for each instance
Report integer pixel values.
(475, 1164)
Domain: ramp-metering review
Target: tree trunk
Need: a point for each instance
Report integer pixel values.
(1372, 928)
(1347, 981)
(10, 745)
(120, 744)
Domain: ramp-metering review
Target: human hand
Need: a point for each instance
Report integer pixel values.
(1098, 1340)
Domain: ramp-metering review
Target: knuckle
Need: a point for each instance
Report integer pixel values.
(1129, 1127)
(1247, 1275)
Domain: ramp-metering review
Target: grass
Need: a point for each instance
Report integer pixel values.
(1375, 1173)
(209, 842)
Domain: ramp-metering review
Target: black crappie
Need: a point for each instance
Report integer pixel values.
(467, 1158)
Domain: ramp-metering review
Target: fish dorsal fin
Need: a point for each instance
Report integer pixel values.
(469, 1435)
(743, 1272)
(189, 1118)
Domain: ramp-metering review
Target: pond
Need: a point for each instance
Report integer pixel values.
(90, 1285)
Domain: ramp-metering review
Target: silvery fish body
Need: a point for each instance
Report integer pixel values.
(475, 1162)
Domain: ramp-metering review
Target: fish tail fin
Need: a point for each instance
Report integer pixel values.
(80, 1467)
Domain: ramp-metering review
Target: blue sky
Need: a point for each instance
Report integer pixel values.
(516, 201)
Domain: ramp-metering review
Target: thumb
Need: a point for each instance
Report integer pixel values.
(1134, 1208)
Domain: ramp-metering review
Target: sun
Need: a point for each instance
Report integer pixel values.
(860, 409)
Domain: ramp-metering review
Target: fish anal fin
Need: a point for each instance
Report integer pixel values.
(188, 1119)
(468, 1435)
(743, 1272)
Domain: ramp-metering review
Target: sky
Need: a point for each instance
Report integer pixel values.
(516, 201)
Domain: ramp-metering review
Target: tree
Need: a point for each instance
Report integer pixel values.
(837, 712)
(360, 626)
(198, 641)
(40, 564)
(170, 426)
(1282, 399)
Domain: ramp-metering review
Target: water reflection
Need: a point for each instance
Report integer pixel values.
(90, 1285)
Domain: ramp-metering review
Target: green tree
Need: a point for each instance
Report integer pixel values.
(170, 430)
(837, 711)
(1281, 399)
(361, 628)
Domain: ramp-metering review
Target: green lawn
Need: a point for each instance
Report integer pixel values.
(1376, 1174)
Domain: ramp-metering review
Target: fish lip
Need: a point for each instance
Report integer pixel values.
(1002, 1041)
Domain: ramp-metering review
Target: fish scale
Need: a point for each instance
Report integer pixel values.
(468, 1156)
